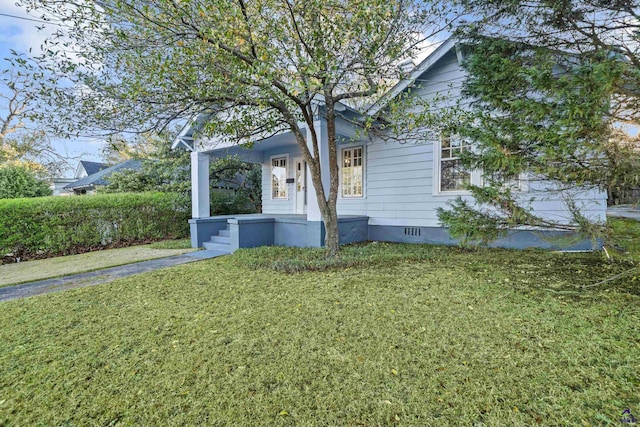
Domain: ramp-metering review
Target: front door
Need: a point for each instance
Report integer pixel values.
(301, 186)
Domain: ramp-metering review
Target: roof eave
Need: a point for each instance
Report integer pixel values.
(420, 69)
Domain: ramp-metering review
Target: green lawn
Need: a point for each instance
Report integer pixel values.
(408, 335)
(28, 271)
(626, 234)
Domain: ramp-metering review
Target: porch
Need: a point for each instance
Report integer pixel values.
(227, 233)
(291, 213)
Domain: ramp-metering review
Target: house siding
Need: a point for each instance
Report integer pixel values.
(278, 206)
(399, 192)
(399, 178)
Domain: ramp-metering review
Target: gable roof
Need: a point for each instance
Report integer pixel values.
(419, 70)
(101, 177)
(187, 134)
(93, 167)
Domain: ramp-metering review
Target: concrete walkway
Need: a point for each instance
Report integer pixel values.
(98, 277)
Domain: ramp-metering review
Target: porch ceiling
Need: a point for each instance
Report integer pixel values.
(254, 153)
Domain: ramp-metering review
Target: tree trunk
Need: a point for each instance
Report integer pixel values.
(332, 236)
(327, 209)
(327, 205)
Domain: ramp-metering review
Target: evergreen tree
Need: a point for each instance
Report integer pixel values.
(549, 94)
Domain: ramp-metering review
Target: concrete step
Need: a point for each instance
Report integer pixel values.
(225, 233)
(221, 239)
(218, 247)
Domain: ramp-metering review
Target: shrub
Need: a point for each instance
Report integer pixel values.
(230, 202)
(48, 226)
(17, 181)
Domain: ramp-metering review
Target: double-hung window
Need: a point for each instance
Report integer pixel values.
(453, 175)
(352, 172)
(279, 178)
(511, 182)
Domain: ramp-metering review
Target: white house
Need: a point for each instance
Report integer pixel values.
(57, 186)
(93, 175)
(388, 191)
(60, 186)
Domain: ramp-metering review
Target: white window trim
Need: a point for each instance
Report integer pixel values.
(477, 177)
(364, 172)
(476, 174)
(523, 183)
(287, 164)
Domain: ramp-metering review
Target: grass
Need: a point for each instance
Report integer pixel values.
(11, 274)
(625, 261)
(172, 244)
(626, 234)
(417, 336)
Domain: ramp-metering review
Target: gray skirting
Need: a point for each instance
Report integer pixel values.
(515, 239)
(246, 231)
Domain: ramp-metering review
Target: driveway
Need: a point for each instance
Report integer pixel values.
(625, 211)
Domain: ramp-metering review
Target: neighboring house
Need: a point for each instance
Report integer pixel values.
(388, 191)
(86, 168)
(58, 184)
(100, 178)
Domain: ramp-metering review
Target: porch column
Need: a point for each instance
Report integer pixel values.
(200, 185)
(315, 227)
(313, 210)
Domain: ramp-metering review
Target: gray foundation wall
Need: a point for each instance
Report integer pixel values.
(290, 232)
(352, 230)
(201, 229)
(515, 239)
(267, 231)
(251, 232)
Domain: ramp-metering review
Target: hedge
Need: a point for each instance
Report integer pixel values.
(49, 226)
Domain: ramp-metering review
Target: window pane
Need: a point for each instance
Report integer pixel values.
(453, 176)
(453, 146)
(357, 157)
(279, 178)
(357, 182)
(507, 181)
(351, 184)
(346, 158)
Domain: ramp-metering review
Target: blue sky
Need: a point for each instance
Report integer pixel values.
(20, 35)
